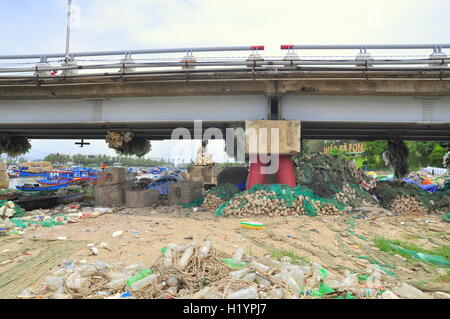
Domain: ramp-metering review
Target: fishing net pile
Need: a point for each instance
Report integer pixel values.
(9, 209)
(280, 200)
(125, 143)
(396, 156)
(326, 185)
(331, 177)
(441, 201)
(404, 198)
(14, 145)
(218, 195)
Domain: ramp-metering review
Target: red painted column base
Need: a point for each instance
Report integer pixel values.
(286, 173)
(254, 175)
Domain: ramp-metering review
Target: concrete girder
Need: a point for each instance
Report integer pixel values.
(267, 87)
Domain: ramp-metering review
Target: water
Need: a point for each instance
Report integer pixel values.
(13, 182)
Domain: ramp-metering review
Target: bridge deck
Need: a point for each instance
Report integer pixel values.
(331, 105)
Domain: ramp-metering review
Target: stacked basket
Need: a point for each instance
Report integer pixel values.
(109, 190)
(4, 179)
(184, 192)
(141, 198)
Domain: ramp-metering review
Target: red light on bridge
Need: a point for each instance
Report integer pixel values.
(287, 46)
(257, 47)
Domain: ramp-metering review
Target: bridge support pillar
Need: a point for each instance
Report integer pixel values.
(275, 142)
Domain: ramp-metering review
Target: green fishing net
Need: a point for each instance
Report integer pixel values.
(224, 191)
(24, 223)
(432, 259)
(286, 196)
(19, 210)
(446, 217)
(325, 175)
(387, 191)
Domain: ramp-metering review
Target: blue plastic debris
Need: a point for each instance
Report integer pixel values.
(125, 295)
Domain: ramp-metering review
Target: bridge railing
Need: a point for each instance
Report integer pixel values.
(142, 62)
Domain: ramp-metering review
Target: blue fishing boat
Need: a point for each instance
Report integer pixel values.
(38, 187)
(29, 174)
(58, 177)
(34, 169)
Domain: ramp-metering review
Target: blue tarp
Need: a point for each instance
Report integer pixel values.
(427, 188)
(241, 186)
(162, 184)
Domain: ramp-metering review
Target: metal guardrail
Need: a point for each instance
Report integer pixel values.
(436, 47)
(44, 56)
(436, 61)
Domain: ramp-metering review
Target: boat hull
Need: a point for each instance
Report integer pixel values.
(31, 188)
(40, 202)
(67, 199)
(28, 174)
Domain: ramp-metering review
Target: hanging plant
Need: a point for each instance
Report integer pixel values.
(396, 156)
(138, 146)
(446, 161)
(14, 145)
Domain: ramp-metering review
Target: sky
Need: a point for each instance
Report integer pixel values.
(39, 26)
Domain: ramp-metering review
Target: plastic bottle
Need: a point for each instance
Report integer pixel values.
(276, 293)
(185, 258)
(135, 266)
(87, 270)
(172, 281)
(287, 278)
(349, 281)
(168, 257)
(141, 275)
(175, 247)
(247, 293)
(250, 277)
(298, 276)
(259, 266)
(54, 282)
(75, 282)
(116, 283)
(238, 274)
(204, 250)
(238, 253)
(143, 282)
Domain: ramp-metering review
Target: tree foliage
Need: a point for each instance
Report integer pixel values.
(80, 159)
(421, 154)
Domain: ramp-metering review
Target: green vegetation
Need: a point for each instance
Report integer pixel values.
(444, 278)
(280, 253)
(421, 154)
(86, 160)
(412, 236)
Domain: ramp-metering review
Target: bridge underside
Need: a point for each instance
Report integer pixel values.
(328, 109)
(163, 130)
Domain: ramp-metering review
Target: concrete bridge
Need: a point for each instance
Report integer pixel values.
(363, 98)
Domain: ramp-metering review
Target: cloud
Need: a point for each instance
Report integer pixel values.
(235, 22)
